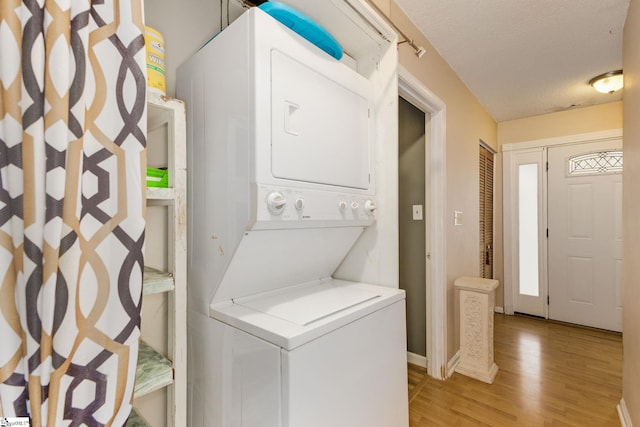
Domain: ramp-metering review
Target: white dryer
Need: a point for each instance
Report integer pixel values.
(281, 185)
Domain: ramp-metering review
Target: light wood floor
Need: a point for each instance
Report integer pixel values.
(550, 375)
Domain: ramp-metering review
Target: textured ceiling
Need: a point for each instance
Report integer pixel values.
(524, 58)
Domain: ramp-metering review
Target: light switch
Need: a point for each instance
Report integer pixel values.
(457, 217)
(417, 212)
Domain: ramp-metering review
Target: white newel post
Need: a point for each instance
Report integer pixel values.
(477, 300)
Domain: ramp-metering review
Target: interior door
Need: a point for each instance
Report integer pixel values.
(585, 234)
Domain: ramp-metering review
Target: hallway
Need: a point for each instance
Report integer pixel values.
(550, 374)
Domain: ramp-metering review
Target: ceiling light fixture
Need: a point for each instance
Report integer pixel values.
(608, 82)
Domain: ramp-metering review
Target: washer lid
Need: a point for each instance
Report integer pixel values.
(308, 304)
(296, 315)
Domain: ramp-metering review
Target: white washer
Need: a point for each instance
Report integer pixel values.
(280, 186)
(339, 348)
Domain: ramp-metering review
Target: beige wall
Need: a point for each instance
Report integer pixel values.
(467, 123)
(564, 123)
(631, 214)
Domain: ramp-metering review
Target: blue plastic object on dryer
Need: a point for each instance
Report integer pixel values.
(303, 25)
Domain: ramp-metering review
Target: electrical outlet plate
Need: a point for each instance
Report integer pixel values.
(417, 212)
(457, 217)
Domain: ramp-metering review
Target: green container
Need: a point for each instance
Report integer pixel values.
(157, 177)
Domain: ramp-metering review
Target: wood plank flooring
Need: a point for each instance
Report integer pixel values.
(551, 374)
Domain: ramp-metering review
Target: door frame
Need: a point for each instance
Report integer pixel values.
(509, 240)
(411, 89)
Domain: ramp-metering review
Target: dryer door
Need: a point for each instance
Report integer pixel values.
(320, 129)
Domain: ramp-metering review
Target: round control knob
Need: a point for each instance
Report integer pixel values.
(355, 205)
(369, 207)
(342, 205)
(299, 204)
(276, 202)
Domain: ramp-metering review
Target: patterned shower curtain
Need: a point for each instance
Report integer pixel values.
(72, 141)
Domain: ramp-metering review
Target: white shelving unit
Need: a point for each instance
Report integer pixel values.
(161, 376)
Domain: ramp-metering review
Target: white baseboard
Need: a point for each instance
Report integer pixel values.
(453, 364)
(416, 359)
(499, 310)
(623, 414)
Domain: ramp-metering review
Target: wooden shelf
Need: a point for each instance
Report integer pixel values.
(157, 193)
(156, 281)
(153, 371)
(164, 323)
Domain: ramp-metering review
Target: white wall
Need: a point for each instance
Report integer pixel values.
(186, 25)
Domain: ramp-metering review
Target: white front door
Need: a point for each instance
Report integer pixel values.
(585, 234)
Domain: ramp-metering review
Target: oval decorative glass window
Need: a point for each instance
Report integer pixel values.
(597, 163)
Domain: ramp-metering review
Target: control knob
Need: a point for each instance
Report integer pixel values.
(276, 202)
(369, 207)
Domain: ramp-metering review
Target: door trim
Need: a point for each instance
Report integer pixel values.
(508, 212)
(415, 92)
(564, 140)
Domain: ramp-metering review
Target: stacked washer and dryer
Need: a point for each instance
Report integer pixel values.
(281, 185)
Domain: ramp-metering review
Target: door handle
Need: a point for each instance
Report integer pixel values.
(290, 110)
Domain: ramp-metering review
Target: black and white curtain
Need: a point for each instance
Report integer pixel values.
(72, 146)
